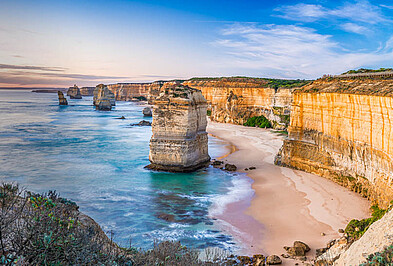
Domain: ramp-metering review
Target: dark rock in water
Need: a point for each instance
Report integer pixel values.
(273, 260)
(147, 112)
(217, 163)
(252, 168)
(245, 169)
(166, 216)
(74, 92)
(142, 123)
(122, 117)
(62, 99)
(104, 105)
(230, 167)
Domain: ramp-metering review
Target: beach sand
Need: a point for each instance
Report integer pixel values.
(288, 204)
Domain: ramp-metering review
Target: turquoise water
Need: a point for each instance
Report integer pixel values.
(97, 161)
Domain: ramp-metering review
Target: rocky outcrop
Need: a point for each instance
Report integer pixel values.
(103, 96)
(129, 91)
(147, 112)
(342, 129)
(62, 99)
(179, 141)
(74, 92)
(234, 100)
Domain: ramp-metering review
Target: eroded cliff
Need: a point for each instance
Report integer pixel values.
(179, 141)
(234, 100)
(342, 129)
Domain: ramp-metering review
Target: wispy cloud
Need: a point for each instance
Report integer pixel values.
(355, 28)
(24, 67)
(360, 11)
(293, 51)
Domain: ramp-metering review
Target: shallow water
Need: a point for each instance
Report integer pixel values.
(97, 161)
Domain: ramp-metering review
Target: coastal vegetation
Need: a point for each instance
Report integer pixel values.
(367, 70)
(384, 257)
(258, 121)
(356, 228)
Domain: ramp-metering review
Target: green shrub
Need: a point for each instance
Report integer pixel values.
(258, 121)
(384, 257)
(356, 228)
(209, 112)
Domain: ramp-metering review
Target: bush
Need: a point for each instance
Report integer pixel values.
(209, 112)
(258, 121)
(356, 228)
(381, 258)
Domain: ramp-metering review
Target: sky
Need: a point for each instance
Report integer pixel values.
(61, 43)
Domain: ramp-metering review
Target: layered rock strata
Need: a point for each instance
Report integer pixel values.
(74, 92)
(234, 100)
(62, 99)
(102, 95)
(87, 91)
(342, 129)
(179, 141)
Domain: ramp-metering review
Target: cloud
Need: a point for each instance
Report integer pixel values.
(292, 51)
(360, 11)
(355, 28)
(386, 6)
(40, 68)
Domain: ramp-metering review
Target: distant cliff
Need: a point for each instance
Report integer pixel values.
(341, 128)
(128, 91)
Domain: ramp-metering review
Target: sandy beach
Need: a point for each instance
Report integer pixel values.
(287, 204)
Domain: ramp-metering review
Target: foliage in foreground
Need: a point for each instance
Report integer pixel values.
(258, 121)
(44, 229)
(384, 257)
(356, 228)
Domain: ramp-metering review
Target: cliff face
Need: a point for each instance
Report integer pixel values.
(342, 129)
(87, 91)
(179, 141)
(128, 91)
(74, 92)
(234, 100)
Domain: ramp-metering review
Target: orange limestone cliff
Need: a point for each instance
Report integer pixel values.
(235, 99)
(341, 128)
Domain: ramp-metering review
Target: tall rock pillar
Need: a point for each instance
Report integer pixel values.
(179, 141)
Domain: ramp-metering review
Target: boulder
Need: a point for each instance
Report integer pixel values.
(62, 99)
(273, 260)
(230, 167)
(302, 245)
(258, 260)
(147, 112)
(244, 260)
(295, 251)
(142, 123)
(74, 92)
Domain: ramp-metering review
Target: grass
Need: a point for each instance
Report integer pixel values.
(356, 228)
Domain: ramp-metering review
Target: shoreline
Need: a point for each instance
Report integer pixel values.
(287, 204)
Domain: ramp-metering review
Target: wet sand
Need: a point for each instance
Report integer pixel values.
(288, 204)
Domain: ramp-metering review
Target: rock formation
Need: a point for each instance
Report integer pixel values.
(62, 99)
(102, 95)
(129, 91)
(342, 129)
(179, 141)
(74, 92)
(87, 91)
(147, 112)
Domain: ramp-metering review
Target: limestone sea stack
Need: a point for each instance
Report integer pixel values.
(103, 98)
(179, 141)
(62, 99)
(74, 92)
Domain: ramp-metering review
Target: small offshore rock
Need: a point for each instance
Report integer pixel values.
(147, 111)
(323, 234)
(62, 99)
(230, 167)
(252, 168)
(167, 217)
(122, 117)
(245, 169)
(302, 245)
(273, 260)
(74, 92)
(341, 231)
(142, 123)
(295, 251)
(104, 105)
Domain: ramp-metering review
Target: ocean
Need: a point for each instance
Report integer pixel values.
(97, 161)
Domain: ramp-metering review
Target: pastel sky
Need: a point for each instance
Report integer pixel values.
(59, 43)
